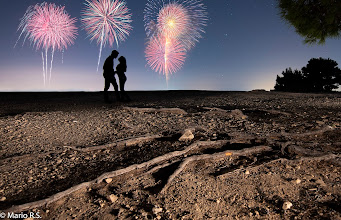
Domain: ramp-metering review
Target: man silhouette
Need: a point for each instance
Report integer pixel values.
(109, 75)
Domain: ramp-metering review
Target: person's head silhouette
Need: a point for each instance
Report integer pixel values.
(122, 60)
(114, 54)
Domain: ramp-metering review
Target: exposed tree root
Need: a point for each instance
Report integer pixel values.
(157, 160)
(189, 160)
(300, 151)
(321, 131)
(112, 174)
(324, 157)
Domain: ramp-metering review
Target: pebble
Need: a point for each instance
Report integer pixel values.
(247, 172)
(3, 199)
(157, 210)
(287, 205)
(298, 181)
(187, 136)
(108, 180)
(113, 198)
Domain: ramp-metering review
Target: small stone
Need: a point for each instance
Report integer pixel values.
(287, 205)
(158, 217)
(247, 172)
(108, 180)
(157, 210)
(298, 181)
(144, 213)
(3, 199)
(187, 136)
(113, 198)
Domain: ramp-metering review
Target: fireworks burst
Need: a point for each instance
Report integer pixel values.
(165, 55)
(108, 21)
(173, 21)
(173, 27)
(48, 26)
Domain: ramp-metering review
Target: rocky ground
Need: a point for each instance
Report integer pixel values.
(171, 155)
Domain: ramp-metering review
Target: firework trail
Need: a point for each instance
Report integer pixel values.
(173, 27)
(48, 27)
(108, 21)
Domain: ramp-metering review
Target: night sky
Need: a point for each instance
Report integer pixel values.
(245, 46)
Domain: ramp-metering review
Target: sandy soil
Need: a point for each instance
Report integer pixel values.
(171, 155)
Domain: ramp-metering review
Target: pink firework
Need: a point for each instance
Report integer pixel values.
(49, 27)
(108, 21)
(173, 21)
(165, 55)
(172, 27)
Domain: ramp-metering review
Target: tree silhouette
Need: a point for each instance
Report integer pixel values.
(291, 81)
(315, 20)
(320, 75)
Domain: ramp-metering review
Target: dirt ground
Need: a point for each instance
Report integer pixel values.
(171, 155)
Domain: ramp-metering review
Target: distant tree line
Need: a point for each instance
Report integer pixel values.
(320, 75)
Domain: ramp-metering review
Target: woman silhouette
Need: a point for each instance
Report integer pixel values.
(121, 68)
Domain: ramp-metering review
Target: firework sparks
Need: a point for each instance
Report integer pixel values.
(24, 23)
(165, 55)
(48, 27)
(173, 21)
(173, 27)
(108, 21)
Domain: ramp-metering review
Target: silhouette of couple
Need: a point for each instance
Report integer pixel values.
(109, 76)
